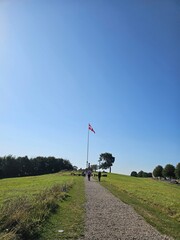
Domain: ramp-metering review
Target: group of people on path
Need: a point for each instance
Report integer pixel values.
(89, 173)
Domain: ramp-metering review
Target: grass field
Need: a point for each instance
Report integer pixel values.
(16, 187)
(40, 202)
(158, 202)
(69, 217)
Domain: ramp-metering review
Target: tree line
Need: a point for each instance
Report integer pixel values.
(11, 166)
(169, 171)
(141, 174)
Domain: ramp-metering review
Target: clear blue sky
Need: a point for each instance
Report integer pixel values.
(114, 64)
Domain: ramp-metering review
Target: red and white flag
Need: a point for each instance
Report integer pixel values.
(90, 128)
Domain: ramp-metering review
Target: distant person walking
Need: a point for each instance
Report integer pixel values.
(99, 176)
(89, 175)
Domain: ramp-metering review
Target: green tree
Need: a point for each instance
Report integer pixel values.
(134, 174)
(1, 167)
(94, 167)
(169, 171)
(149, 174)
(145, 174)
(140, 173)
(177, 170)
(158, 171)
(75, 168)
(106, 160)
(10, 167)
(22, 166)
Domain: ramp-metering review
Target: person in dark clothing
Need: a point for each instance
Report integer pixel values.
(99, 176)
(89, 175)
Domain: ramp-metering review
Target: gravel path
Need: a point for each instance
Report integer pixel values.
(109, 218)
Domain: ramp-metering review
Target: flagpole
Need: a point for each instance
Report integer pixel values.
(87, 148)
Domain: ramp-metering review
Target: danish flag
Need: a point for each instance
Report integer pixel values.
(90, 128)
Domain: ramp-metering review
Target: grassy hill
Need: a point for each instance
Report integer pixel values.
(16, 187)
(38, 207)
(158, 202)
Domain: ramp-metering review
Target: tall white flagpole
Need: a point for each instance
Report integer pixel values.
(87, 164)
(89, 128)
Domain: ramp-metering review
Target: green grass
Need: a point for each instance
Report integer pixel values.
(39, 204)
(16, 187)
(70, 216)
(158, 202)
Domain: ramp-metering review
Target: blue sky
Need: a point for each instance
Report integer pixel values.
(114, 64)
